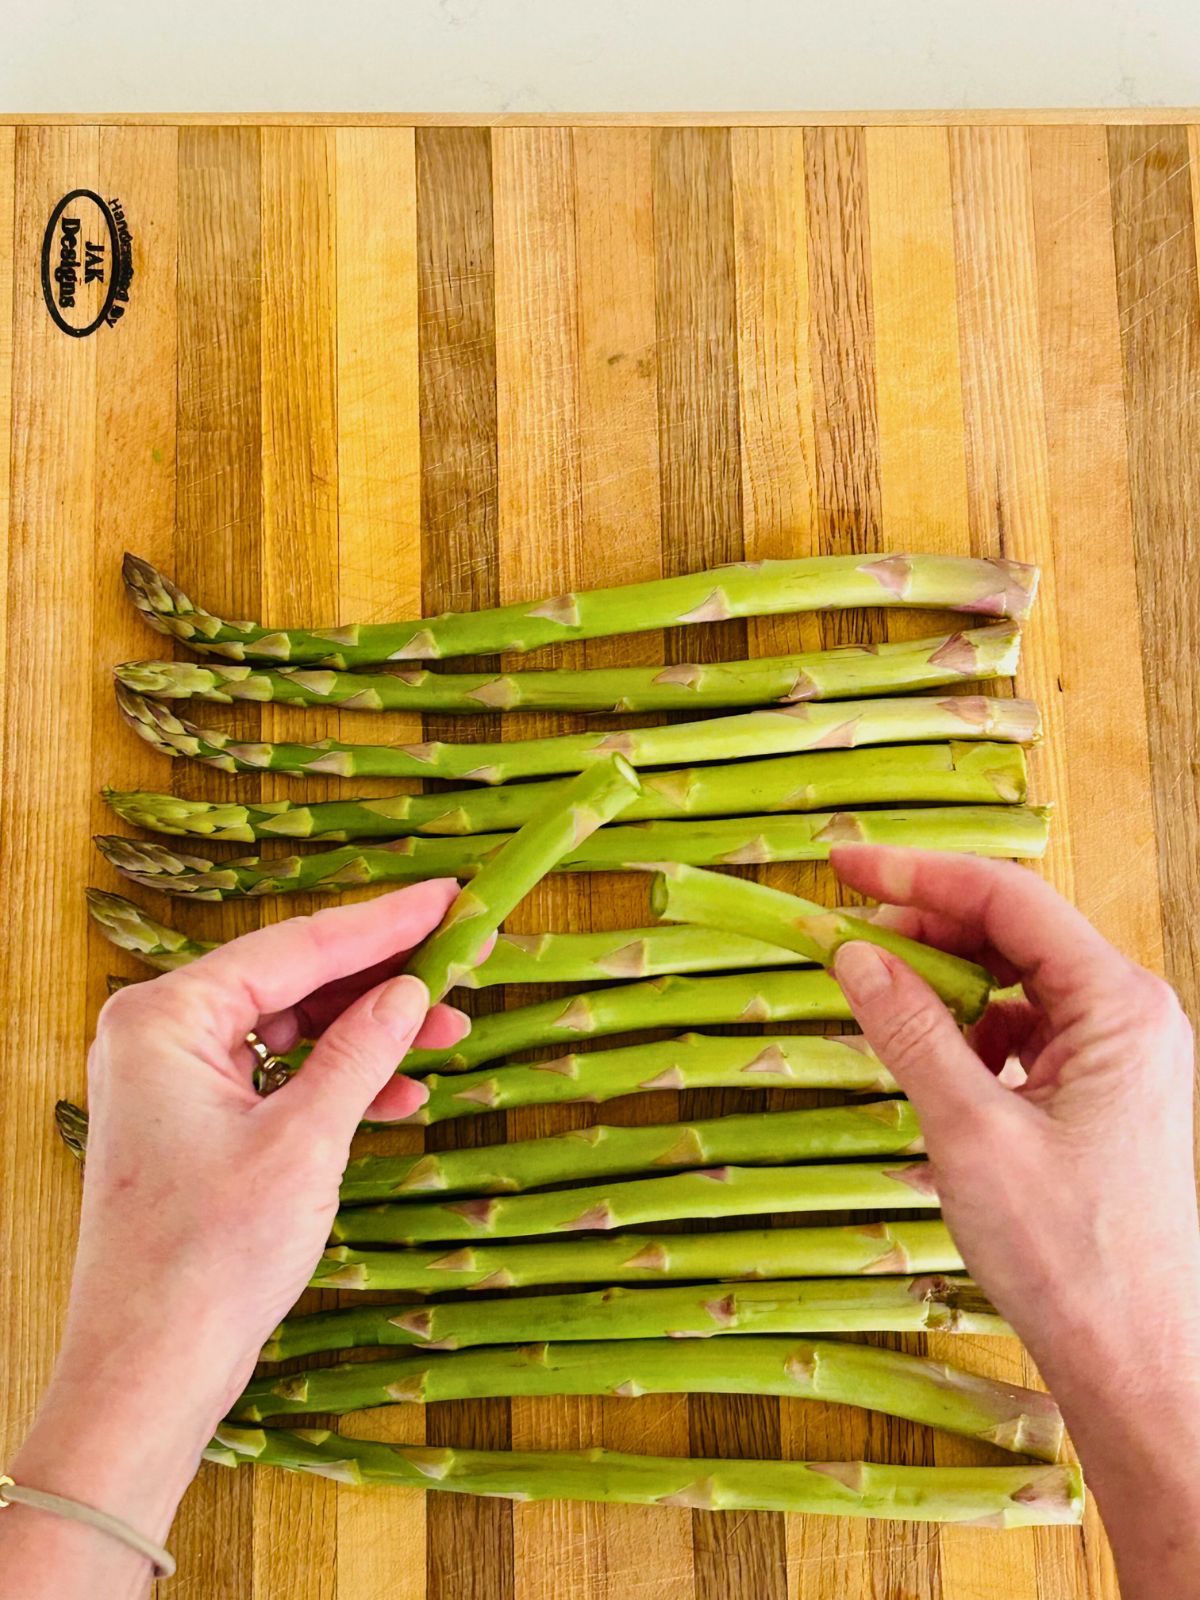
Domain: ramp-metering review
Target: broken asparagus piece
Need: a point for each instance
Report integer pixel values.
(719, 901)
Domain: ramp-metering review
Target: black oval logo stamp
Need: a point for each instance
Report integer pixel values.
(87, 263)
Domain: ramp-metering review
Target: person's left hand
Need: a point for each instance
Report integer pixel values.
(205, 1206)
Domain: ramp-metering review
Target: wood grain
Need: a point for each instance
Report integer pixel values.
(377, 366)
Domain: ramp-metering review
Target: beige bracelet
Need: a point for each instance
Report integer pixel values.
(14, 1494)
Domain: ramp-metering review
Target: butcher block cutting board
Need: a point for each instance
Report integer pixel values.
(339, 370)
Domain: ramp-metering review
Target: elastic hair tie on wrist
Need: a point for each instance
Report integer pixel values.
(15, 1494)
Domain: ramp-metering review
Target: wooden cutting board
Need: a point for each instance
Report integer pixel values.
(364, 370)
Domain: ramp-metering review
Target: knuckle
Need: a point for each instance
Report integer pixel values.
(910, 1035)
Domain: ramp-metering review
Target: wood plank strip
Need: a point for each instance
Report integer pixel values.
(1010, 515)
(701, 518)
(470, 1542)
(1006, 430)
(218, 514)
(540, 540)
(50, 569)
(299, 579)
(8, 156)
(641, 1550)
(218, 506)
(381, 1548)
(1154, 232)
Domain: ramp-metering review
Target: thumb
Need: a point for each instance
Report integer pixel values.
(914, 1035)
(359, 1053)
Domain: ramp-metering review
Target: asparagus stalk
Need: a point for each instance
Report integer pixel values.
(930, 1304)
(456, 944)
(715, 900)
(724, 841)
(516, 958)
(876, 1127)
(692, 1061)
(814, 1252)
(776, 730)
(787, 995)
(852, 670)
(961, 772)
(746, 589)
(1000, 1497)
(931, 1393)
(714, 1192)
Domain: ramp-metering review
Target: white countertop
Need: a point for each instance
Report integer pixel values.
(594, 55)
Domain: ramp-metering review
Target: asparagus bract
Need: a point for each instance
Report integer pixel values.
(1000, 1497)
(745, 589)
(457, 943)
(931, 1393)
(728, 841)
(777, 730)
(876, 1127)
(930, 1304)
(960, 772)
(815, 1252)
(130, 928)
(713, 1192)
(846, 672)
(718, 901)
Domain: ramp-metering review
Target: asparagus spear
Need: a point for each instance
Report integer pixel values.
(746, 589)
(707, 1192)
(715, 900)
(930, 1304)
(1000, 1497)
(724, 841)
(786, 995)
(776, 730)
(816, 1252)
(849, 671)
(913, 1388)
(876, 1127)
(692, 1061)
(962, 772)
(456, 944)
(517, 958)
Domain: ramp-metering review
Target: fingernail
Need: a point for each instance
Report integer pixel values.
(400, 1002)
(422, 1092)
(861, 970)
(462, 1017)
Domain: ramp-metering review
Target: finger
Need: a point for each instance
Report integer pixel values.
(914, 1035)
(444, 1027)
(398, 1099)
(357, 1055)
(278, 967)
(945, 933)
(1056, 951)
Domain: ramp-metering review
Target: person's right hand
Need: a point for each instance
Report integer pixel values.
(1072, 1197)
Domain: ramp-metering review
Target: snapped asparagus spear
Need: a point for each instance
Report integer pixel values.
(930, 1304)
(999, 1497)
(849, 671)
(745, 589)
(1019, 831)
(713, 1192)
(961, 772)
(876, 1127)
(777, 730)
(716, 900)
(930, 1393)
(815, 1252)
(456, 944)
